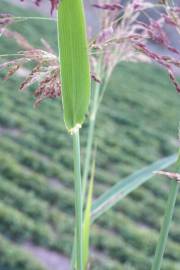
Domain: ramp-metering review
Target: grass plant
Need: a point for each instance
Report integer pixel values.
(70, 77)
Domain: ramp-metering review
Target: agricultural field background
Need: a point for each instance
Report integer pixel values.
(137, 124)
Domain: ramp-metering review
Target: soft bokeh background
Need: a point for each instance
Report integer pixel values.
(137, 124)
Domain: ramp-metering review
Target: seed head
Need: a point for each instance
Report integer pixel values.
(123, 36)
(45, 73)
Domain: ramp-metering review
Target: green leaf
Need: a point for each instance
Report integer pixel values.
(87, 220)
(127, 185)
(74, 62)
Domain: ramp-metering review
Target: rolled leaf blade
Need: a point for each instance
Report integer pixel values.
(74, 62)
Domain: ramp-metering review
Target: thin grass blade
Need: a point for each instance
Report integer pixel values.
(74, 62)
(127, 185)
(87, 219)
(168, 216)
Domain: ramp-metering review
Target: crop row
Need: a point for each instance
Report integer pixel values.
(145, 206)
(105, 177)
(31, 232)
(41, 234)
(118, 249)
(137, 234)
(25, 201)
(40, 164)
(34, 182)
(38, 184)
(31, 159)
(65, 199)
(54, 141)
(15, 258)
(23, 228)
(57, 169)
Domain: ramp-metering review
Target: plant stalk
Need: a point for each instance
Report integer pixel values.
(78, 202)
(99, 90)
(87, 161)
(90, 138)
(166, 223)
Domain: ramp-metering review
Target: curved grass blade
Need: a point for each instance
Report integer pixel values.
(127, 185)
(74, 62)
(168, 216)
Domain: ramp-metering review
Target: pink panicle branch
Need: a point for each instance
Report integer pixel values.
(125, 37)
(170, 175)
(54, 3)
(111, 7)
(165, 61)
(5, 19)
(45, 73)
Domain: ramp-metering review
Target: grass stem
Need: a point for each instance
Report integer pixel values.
(166, 223)
(98, 95)
(78, 202)
(90, 138)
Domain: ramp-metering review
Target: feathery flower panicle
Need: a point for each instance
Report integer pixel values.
(155, 31)
(45, 73)
(172, 16)
(117, 23)
(165, 61)
(125, 37)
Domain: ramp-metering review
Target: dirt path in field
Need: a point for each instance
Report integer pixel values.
(49, 259)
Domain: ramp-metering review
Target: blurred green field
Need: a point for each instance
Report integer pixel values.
(137, 124)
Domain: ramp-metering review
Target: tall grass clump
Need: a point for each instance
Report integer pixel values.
(84, 57)
(75, 79)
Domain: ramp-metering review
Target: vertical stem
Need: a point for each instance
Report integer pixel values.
(90, 138)
(95, 105)
(166, 224)
(78, 202)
